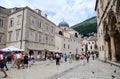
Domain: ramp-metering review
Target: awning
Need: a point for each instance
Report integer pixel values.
(11, 48)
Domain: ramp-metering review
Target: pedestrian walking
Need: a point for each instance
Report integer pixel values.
(2, 65)
(4, 62)
(82, 58)
(70, 57)
(65, 58)
(18, 56)
(14, 61)
(57, 59)
(9, 58)
(87, 57)
(25, 61)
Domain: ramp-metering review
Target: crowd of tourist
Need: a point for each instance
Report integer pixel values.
(22, 60)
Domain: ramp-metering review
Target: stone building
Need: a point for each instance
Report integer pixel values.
(89, 44)
(3, 26)
(66, 39)
(108, 26)
(30, 30)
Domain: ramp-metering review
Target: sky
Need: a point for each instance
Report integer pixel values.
(71, 11)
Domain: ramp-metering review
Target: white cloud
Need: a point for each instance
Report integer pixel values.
(72, 11)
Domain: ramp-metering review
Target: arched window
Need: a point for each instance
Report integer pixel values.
(76, 35)
(60, 33)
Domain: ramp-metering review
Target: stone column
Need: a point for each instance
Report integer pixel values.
(107, 50)
(106, 39)
(112, 41)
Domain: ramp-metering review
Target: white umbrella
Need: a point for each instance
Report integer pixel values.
(11, 48)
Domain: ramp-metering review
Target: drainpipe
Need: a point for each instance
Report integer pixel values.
(22, 29)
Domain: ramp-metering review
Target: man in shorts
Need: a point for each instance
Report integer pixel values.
(2, 64)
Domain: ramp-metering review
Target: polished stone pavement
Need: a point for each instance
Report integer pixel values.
(41, 70)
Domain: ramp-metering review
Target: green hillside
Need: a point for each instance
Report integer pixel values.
(87, 27)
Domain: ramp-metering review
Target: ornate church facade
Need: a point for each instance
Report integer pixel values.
(108, 27)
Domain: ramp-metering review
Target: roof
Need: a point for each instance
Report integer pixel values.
(93, 38)
(96, 5)
(63, 24)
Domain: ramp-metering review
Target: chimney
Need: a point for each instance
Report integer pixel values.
(38, 11)
(45, 15)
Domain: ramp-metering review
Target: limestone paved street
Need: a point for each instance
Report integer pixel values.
(92, 70)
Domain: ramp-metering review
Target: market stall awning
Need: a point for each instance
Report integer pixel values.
(11, 48)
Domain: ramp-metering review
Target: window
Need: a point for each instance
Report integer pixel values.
(47, 27)
(36, 37)
(52, 30)
(32, 20)
(11, 22)
(17, 34)
(40, 38)
(82, 49)
(90, 47)
(18, 19)
(68, 46)
(102, 47)
(47, 39)
(76, 35)
(52, 41)
(40, 24)
(1, 22)
(89, 42)
(64, 45)
(60, 33)
(0, 39)
(10, 35)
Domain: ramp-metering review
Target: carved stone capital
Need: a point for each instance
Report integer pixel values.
(106, 37)
(112, 33)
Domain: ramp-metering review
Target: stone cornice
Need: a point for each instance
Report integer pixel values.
(96, 4)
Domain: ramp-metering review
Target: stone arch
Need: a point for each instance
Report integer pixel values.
(105, 31)
(118, 7)
(112, 20)
(105, 27)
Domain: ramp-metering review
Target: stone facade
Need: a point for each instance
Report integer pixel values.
(66, 41)
(108, 26)
(89, 44)
(3, 26)
(30, 30)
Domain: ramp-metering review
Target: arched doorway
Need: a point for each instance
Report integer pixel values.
(108, 55)
(31, 52)
(112, 21)
(117, 45)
